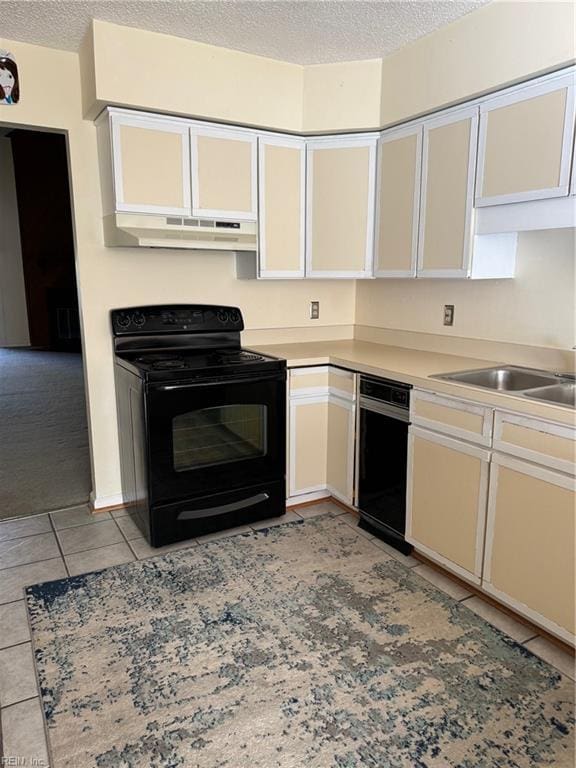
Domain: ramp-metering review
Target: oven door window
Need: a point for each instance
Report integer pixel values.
(219, 435)
(215, 436)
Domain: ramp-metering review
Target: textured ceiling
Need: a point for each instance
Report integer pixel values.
(300, 31)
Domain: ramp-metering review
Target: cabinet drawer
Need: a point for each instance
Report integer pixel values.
(309, 381)
(529, 558)
(543, 442)
(459, 418)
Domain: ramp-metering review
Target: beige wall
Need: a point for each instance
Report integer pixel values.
(13, 311)
(535, 308)
(148, 70)
(344, 96)
(502, 42)
(478, 53)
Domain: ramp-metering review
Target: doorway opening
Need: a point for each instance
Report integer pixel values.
(44, 448)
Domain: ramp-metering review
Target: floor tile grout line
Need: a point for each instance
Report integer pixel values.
(15, 645)
(66, 569)
(61, 529)
(27, 536)
(15, 703)
(11, 602)
(90, 549)
(529, 640)
(25, 565)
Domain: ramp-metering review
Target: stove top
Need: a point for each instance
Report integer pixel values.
(169, 342)
(186, 364)
(190, 360)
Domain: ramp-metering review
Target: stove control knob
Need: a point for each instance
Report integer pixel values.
(235, 317)
(123, 320)
(138, 319)
(222, 316)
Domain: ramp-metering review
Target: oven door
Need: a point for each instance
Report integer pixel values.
(215, 435)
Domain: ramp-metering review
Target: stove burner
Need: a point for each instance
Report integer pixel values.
(162, 365)
(247, 356)
(162, 362)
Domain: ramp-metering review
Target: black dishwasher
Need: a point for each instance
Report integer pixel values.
(384, 420)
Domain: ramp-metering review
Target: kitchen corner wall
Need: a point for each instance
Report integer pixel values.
(498, 44)
(535, 308)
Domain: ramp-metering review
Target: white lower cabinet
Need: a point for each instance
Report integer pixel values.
(340, 454)
(530, 552)
(496, 507)
(446, 500)
(321, 432)
(308, 441)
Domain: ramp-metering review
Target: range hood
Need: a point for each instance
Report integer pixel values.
(143, 231)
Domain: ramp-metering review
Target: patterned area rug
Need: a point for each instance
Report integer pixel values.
(300, 645)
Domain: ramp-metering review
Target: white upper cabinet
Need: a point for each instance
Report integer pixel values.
(525, 143)
(446, 197)
(340, 201)
(281, 207)
(224, 173)
(399, 169)
(150, 164)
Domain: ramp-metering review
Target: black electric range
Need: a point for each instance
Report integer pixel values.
(202, 423)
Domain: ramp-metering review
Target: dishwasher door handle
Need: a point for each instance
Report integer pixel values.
(384, 409)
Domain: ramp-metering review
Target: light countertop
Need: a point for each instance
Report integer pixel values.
(411, 366)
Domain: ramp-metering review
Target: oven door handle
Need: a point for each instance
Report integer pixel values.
(220, 382)
(193, 514)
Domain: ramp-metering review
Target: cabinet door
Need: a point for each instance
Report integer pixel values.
(151, 163)
(282, 207)
(224, 166)
(398, 202)
(529, 561)
(446, 501)
(341, 434)
(525, 143)
(446, 197)
(340, 192)
(308, 430)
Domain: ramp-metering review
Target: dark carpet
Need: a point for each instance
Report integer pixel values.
(44, 456)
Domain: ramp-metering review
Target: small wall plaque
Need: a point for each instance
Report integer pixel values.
(9, 84)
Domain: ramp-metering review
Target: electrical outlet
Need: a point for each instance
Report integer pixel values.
(314, 310)
(448, 314)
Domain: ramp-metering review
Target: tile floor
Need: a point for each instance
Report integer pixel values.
(73, 541)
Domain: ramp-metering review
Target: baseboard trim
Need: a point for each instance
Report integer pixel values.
(308, 498)
(106, 503)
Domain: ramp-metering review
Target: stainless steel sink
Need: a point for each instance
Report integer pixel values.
(508, 378)
(559, 394)
(556, 389)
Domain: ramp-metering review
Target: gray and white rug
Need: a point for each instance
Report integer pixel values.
(44, 454)
(300, 645)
